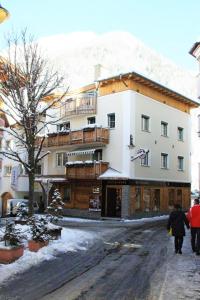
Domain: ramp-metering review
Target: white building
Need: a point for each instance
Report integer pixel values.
(195, 51)
(104, 127)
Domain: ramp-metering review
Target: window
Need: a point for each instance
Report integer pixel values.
(155, 199)
(97, 155)
(180, 163)
(7, 170)
(171, 198)
(145, 160)
(146, 199)
(8, 145)
(179, 197)
(22, 170)
(164, 129)
(63, 126)
(145, 123)
(38, 170)
(111, 120)
(164, 160)
(138, 199)
(91, 120)
(180, 133)
(66, 194)
(61, 159)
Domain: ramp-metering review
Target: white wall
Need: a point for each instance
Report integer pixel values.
(156, 143)
(128, 107)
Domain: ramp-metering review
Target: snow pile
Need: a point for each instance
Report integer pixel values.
(71, 240)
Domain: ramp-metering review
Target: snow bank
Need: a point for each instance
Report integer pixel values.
(71, 240)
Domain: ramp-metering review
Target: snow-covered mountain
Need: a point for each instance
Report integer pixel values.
(76, 54)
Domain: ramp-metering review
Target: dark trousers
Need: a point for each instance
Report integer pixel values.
(178, 242)
(195, 239)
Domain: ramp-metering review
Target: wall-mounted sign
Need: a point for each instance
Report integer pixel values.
(141, 153)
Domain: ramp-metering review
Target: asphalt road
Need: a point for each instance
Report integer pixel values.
(119, 265)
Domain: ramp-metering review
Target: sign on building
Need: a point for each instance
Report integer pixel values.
(141, 153)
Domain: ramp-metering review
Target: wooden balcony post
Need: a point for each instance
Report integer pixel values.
(83, 136)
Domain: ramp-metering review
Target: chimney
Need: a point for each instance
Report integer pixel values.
(97, 71)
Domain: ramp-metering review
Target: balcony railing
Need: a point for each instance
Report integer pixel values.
(77, 137)
(82, 104)
(85, 170)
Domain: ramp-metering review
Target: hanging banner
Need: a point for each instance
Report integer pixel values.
(14, 177)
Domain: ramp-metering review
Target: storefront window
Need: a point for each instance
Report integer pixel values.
(138, 199)
(147, 199)
(66, 194)
(94, 202)
(179, 197)
(155, 199)
(171, 196)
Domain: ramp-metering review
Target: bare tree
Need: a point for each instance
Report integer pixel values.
(26, 81)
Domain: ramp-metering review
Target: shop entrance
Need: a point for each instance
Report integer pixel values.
(113, 202)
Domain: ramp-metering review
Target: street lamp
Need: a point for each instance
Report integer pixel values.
(4, 14)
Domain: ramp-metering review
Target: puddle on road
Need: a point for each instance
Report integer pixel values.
(125, 245)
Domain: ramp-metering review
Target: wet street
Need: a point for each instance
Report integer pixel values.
(120, 264)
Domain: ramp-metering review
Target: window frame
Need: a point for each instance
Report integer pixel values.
(145, 120)
(164, 129)
(180, 163)
(145, 162)
(67, 193)
(164, 164)
(9, 167)
(180, 136)
(111, 123)
(91, 118)
(63, 126)
(63, 158)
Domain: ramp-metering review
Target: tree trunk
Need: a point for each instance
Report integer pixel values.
(31, 194)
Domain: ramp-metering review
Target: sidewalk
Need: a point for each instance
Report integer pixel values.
(182, 273)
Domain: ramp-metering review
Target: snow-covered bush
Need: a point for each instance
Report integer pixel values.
(55, 208)
(22, 211)
(12, 236)
(39, 229)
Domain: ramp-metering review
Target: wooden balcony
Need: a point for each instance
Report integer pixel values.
(85, 170)
(86, 136)
(81, 104)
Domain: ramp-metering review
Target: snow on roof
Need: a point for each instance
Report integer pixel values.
(50, 179)
(111, 173)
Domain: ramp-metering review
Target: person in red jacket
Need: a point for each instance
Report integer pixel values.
(193, 217)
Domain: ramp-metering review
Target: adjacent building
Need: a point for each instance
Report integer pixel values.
(195, 52)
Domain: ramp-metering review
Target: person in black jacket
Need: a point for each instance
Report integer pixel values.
(176, 222)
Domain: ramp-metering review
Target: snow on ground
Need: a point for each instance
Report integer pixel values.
(71, 240)
(71, 219)
(146, 219)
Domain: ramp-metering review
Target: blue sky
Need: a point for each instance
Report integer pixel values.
(168, 26)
